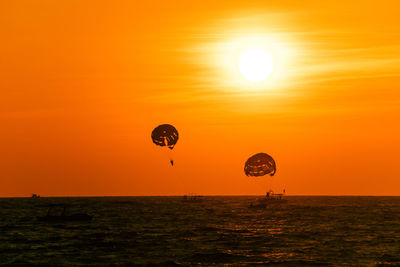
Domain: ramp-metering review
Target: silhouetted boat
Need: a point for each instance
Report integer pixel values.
(35, 196)
(193, 198)
(270, 199)
(63, 217)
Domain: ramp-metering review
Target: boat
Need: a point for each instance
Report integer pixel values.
(35, 196)
(270, 199)
(193, 198)
(54, 216)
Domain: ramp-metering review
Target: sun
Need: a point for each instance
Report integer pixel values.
(248, 63)
(256, 65)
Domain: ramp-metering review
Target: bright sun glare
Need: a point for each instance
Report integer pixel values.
(249, 63)
(256, 65)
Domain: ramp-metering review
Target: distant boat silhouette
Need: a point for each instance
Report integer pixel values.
(35, 196)
(63, 217)
(270, 199)
(193, 198)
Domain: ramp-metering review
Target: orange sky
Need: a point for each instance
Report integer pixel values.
(83, 83)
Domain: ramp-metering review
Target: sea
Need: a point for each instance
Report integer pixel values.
(213, 231)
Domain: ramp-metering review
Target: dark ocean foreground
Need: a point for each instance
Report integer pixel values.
(166, 231)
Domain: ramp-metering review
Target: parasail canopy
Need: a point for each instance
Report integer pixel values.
(165, 135)
(260, 164)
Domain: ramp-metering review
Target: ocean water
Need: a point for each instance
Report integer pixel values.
(166, 231)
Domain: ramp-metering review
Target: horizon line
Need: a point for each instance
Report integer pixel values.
(94, 196)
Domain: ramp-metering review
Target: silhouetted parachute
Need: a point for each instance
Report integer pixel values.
(165, 135)
(260, 164)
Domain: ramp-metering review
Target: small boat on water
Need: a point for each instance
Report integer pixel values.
(192, 198)
(35, 196)
(54, 216)
(270, 199)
